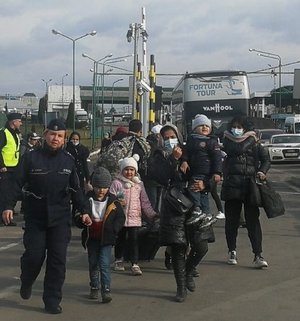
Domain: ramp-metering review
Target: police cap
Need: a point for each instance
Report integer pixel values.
(34, 136)
(14, 116)
(56, 124)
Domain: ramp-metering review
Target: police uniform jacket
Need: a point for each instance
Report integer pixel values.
(48, 180)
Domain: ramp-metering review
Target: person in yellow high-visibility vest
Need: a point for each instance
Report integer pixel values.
(9, 152)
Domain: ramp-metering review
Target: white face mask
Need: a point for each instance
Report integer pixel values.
(237, 131)
(171, 143)
(75, 142)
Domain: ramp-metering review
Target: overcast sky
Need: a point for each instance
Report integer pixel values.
(189, 35)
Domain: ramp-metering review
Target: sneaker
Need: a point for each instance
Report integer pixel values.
(135, 269)
(119, 266)
(207, 222)
(232, 258)
(196, 216)
(106, 296)
(220, 215)
(259, 262)
(94, 293)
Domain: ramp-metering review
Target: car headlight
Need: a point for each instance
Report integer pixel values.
(275, 150)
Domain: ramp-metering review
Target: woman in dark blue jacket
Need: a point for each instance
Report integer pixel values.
(246, 161)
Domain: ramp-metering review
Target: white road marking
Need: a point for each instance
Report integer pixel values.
(8, 246)
(8, 291)
(289, 193)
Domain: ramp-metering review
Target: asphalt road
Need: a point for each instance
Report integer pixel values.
(224, 293)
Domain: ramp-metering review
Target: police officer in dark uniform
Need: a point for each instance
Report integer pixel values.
(48, 179)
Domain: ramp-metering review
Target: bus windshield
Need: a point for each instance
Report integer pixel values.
(220, 95)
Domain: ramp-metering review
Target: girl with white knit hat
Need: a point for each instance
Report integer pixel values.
(128, 187)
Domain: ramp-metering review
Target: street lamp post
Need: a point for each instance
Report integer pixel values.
(92, 33)
(271, 55)
(46, 101)
(134, 32)
(62, 93)
(273, 74)
(108, 62)
(112, 91)
(95, 85)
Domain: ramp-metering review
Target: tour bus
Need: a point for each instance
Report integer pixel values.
(220, 95)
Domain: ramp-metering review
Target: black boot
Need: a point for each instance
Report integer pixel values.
(190, 267)
(180, 294)
(190, 283)
(178, 259)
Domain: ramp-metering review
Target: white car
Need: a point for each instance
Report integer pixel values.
(264, 135)
(284, 148)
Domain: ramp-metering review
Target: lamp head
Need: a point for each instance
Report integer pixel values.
(129, 35)
(93, 33)
(145, 35)
(55, 32)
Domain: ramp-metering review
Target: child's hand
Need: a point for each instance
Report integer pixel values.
(198, 186)
(86, 220)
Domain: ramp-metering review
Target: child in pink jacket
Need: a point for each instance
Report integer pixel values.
(128, 187)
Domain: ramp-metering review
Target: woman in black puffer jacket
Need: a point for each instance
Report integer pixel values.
(80, 154)
(163, 167)
(246, 161)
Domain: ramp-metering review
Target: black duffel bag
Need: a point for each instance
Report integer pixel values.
(271, 200)
(177, 200)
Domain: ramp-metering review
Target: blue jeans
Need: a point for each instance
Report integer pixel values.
(200, 199)
(99, 263)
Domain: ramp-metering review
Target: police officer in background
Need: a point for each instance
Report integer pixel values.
(9, 152)
(48, 179)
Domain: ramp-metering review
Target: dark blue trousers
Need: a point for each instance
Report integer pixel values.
(48, 243)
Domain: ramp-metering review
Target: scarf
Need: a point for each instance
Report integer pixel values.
(240, 139)
(127, 182)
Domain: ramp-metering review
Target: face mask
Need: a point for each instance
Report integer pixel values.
(76, 142)
(171, 143)
(237, 131)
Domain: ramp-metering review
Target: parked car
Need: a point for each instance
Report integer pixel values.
(264, 135)
(284, 148)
